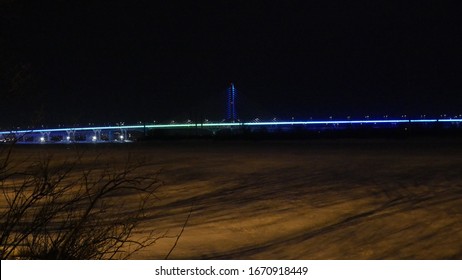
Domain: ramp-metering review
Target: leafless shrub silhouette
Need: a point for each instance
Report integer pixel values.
(54, 211)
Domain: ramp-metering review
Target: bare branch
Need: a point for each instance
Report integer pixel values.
(55, 213)
(181, 232)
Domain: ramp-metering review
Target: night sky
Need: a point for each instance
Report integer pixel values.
(69, 62)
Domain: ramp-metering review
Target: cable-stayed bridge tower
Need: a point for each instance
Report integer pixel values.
(232, 95)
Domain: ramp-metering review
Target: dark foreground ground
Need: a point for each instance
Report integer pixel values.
(322, 199)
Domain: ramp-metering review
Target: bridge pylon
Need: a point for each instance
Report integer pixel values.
(231, 103)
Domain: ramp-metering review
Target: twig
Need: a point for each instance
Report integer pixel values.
(181, 232)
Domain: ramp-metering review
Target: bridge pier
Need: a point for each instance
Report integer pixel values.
(97, 135)
(123, 135)
(70, 136)
(45, 137)
(19, 137)
(110, 135)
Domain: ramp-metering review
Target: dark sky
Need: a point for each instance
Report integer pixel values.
(110, 61)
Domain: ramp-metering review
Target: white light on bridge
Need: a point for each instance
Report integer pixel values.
(68, 138)
(42, 139)
(121, 137)
(93, 138)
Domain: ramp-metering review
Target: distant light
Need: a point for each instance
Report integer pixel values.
(68, 138)
(121, 137)
(42, 139)
(93, 138)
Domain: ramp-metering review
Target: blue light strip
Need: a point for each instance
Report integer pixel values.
(426, 120)
(229, 124)
(451, 120)
(327, 122)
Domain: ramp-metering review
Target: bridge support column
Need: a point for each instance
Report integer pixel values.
(44, 137)
(70, 136)
(97, 135)
(123, 135)
(19, 137)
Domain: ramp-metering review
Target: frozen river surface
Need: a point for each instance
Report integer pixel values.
(329, 199)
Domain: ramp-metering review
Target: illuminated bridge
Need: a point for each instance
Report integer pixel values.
(127, 133)
(231, 125)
